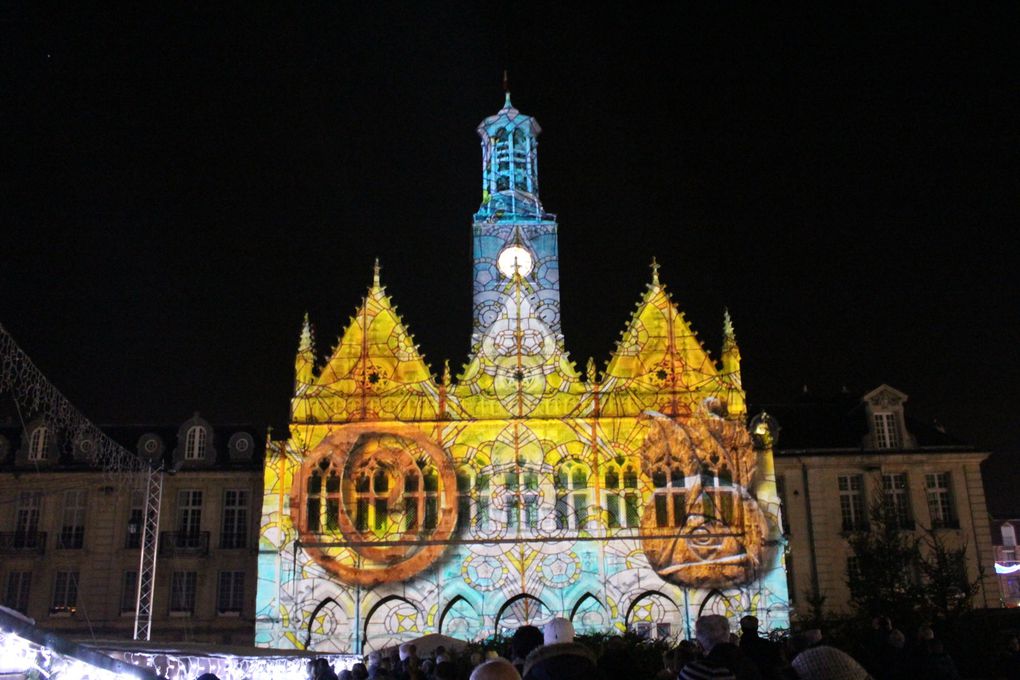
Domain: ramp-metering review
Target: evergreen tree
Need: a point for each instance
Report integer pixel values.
(882, 571)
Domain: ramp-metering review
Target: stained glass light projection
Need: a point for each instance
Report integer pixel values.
(521, 489)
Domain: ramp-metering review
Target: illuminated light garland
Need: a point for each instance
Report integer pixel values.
(24, 658)
(33, 393)
(1006, 569)
(181, 665)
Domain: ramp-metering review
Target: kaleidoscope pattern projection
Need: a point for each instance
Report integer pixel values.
(520, 489)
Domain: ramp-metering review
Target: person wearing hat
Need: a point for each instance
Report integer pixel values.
(560, 658)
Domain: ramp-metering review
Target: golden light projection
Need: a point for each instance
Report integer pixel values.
(379, 491)
(722, 530)
(519, 489)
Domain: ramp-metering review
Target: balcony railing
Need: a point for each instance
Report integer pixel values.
(23, 542)
(183, 543)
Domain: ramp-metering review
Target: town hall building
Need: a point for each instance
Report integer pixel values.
(522, 488)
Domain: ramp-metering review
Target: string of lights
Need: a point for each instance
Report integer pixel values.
(22, 381)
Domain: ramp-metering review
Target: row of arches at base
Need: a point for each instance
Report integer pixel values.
(395, 619)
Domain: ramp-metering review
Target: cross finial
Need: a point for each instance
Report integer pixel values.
(655, 272)
(375, 273)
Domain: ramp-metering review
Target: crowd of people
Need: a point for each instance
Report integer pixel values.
(553, 654)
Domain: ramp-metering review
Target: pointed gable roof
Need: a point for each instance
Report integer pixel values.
(659, 363)
(375, 372)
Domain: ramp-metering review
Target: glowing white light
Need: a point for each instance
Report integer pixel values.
(514, 260)
(1004, 569)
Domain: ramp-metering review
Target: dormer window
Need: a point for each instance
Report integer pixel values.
(887, 434)
(194, 443)
(39, 443)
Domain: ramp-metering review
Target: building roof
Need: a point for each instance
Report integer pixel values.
(839, 422)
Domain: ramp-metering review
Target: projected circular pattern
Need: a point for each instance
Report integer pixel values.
(484, 572)
(383, 552)
(557, 571)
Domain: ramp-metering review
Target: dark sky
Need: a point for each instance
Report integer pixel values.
(179, 188)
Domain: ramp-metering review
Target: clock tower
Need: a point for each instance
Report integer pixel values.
(511, 226)
(517, 342)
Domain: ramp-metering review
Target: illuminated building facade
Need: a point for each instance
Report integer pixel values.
(837, 457)
(520, 489)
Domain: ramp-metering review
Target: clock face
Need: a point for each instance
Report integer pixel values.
(514, 259)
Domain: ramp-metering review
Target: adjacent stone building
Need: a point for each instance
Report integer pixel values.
(70, 533)
(835, 457)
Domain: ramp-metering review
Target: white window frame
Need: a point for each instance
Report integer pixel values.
(183, 588)
(851, 502)
(17, 590)
(72, 529)
(234, 530)
(38, 444)
(887, 430)
(896, 492)
(195, 443)
(938, 490)
(230, 593)
(189, 518)
(65, 593)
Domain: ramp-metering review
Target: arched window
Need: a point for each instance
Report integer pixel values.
(333, 501)
(521, 498)
(717, 487)
(474, 496)
(313, 500)
(39, 443)
(501, 159)
(670, 496)
(464, 484)
(483, 499)
(572, 496)
(622, 498)
(380, 493)
(421, 499)
(368, 500)
(194, 443)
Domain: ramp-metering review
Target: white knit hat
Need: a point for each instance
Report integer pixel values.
(558, 630)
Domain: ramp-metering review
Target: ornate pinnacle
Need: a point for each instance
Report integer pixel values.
(655, 272)
(375, 273)
(590, 370)
(727, 326)
(446, 373)
(307, 342)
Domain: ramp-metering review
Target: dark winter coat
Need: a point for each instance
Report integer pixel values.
(562, 661)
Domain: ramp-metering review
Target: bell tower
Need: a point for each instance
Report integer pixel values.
(514, 239)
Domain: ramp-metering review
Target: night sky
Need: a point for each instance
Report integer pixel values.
(178, 188)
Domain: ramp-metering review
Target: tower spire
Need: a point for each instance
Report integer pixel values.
(304, 362)
(730, 350)
(375, 274)
(655, 272)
